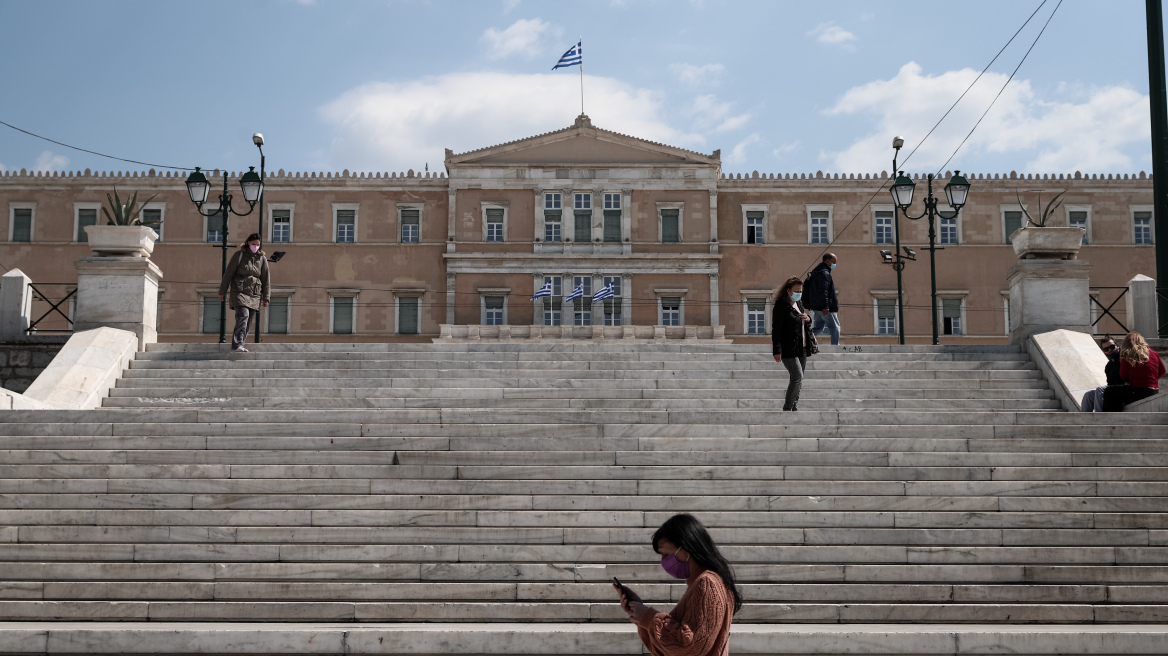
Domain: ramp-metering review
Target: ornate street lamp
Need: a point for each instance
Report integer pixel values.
(199, 187)
(258, 140)
(957, 191)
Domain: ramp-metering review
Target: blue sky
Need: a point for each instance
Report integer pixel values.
(386, 85)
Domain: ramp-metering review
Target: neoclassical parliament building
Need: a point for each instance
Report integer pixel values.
(685, 246)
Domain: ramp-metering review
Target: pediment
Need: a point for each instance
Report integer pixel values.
(581, 145)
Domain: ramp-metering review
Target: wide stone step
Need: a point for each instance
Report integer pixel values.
(773, 373)
(509, 386)
(759, 354)
(561, 346)
(806, 403)
(662, 367)
(550, 611)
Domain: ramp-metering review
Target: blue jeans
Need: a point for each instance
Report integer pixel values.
(830, 322)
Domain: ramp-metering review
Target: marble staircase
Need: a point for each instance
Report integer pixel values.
(487, 488)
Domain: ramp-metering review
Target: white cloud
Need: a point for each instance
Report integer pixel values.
(738, 153)
(711, 115)
(48, 161)
(509, 5)
(395, 126)
(693, 75)
(785, 149)
(834, 35)
(521, 38)
(1056, 136)
(3, 168)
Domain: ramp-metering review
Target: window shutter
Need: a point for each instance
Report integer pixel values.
(670, 302)
(281, 216)
(756, 304)
(346, 217)
(22, 225)
(950, 308)
(552, 216)
(343, 315)
(669, 231)
(1013, 222)
(410, 217)
(885, 308)
(215, 222)
(86, 218)
(493, 302)
(583, 229)
(494, 215)
(407, 308)
(612, 225)
(211, 308)
(278, 315)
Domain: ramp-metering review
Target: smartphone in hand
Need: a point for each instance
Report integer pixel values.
(617, 584)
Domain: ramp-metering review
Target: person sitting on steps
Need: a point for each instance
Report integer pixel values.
(1093, 399)
(1141, 370)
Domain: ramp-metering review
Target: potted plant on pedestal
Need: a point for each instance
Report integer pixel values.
(125, 234)
(1035, 239)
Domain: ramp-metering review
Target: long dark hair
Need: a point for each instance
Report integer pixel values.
(785, 290)
(685, 531)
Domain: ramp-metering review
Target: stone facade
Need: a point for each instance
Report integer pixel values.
(483, 227)
(22, 359)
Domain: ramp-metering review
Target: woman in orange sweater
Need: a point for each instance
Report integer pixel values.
(699, 625)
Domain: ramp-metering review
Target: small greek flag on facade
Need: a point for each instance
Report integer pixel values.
(576, 293)
(572, 58)
(546, 290)
(604, 292)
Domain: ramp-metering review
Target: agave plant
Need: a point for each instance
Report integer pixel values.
(1047, 212)
(127, 214)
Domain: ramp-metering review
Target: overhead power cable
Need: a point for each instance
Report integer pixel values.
(94, 152)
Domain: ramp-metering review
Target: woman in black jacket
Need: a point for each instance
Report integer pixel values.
(791, 338)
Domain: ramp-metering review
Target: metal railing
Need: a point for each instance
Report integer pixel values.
(1106, 310)
(54, 307)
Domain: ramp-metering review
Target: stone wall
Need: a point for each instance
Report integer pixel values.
(22, 359)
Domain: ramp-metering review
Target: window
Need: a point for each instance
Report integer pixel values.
(885, 316)
(612, 217)
(612, 306)
(882, 221)
(152, 218)
(341, 321)
(346, 222)
(670, 310)
(582, 307)
(756, 316)
(86, 216)
(278, 315)
(21, 224)
(552, 304)
(212, 312)
(582, 206)
(1011, 222)
(493, 311)
(820, 223)
(1078, 219)
(215, 228)
(951, 316)
(1141, 227)
(670, 226)
(494, 223)
(949, 231)
(281, 226)
(754, 227)
(410, 219)
(407, 315)
(552, 218)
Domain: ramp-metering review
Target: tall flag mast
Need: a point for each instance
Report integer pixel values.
(574, 57)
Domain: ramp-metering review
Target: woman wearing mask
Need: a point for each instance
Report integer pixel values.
(1141, 370)
(699, 625)
(246, 278)
(792, 341)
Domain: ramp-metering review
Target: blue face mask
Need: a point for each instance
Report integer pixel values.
(833, 267)
(796, 296)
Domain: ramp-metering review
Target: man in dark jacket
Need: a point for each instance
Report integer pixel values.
(1093, 399)
(819, 296)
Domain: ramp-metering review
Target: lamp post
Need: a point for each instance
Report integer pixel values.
(258, 140)
(896, 258)
(957, 192)
(198, 187)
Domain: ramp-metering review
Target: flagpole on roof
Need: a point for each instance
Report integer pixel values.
(580, 47)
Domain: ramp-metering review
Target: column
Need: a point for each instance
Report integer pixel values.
(714, 314)
(450, 297)
(15, 304)
(1142, 313)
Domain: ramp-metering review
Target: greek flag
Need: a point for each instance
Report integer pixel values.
(604, 292)
(576, 293)
(546, 290)
(571, 58)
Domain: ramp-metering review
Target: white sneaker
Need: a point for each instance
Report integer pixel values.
(240, 350)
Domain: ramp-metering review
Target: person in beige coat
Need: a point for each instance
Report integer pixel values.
(246, 285)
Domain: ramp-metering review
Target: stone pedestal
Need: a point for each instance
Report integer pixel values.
(118, 292)
(15, 304)
(1048, 294)
(1142, 313)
